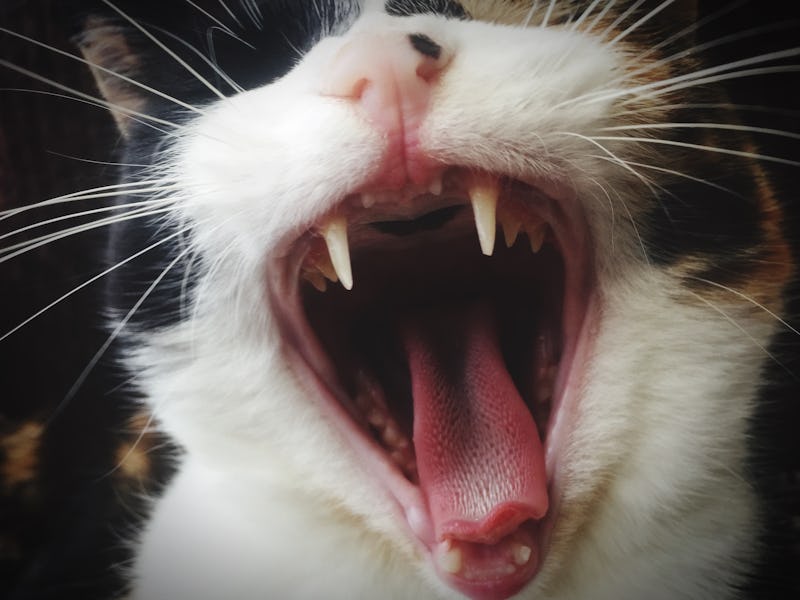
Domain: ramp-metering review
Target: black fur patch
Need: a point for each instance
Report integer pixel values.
(695, 218)
(446, 8)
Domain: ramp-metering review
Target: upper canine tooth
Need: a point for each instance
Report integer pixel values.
(483, 193)
(335, 234)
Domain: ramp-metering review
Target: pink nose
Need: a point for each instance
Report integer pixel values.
(391, 78)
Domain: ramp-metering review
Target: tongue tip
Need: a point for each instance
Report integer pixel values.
(502, 521)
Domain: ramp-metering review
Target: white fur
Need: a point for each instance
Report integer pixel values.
(269, 501)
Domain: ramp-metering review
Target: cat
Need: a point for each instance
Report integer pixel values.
(437, 298)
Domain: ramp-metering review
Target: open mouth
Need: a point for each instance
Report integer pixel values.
(440, 326)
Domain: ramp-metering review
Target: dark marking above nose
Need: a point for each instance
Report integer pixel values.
(425, 45)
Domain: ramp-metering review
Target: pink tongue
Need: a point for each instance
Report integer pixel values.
(479, 457)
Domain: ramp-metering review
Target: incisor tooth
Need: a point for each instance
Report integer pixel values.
(536, 237)
(335, 234)
(483, 193)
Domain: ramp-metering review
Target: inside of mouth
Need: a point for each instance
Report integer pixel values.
(415, 274)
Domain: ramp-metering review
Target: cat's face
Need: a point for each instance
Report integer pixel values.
(455, 276)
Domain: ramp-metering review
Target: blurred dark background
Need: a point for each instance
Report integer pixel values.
(64, 508)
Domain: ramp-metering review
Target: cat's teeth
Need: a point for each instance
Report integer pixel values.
(435, 186)
(316, 279)
(521, 554)
(335, 234)
(450, 560)
(511, 227)
(483, 192)
(536, 235)
(376, 418)
(393, 438)
(321, 263)
(546, 384)
(368, 200)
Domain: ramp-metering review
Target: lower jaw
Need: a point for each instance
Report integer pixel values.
(491, 571)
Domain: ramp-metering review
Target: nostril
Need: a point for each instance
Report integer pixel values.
(425, 45)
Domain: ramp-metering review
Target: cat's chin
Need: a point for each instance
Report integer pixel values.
(449, 358)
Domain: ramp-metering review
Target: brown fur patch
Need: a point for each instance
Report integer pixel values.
(21, 455)
(104, 46)
(764, 275)
(132, 457)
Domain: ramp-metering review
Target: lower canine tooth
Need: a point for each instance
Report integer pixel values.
(450, 560)
(335, 234)
(521, 554)
(483, 192)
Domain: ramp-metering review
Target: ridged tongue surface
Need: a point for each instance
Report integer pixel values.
(479, 456)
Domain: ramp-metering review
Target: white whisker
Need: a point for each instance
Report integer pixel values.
(110, 340)
(718, 78)
(725, 106)
(82, 213)
(92, 161)
(693, 28)
(119, 189)
(531, 12)
(87, 283)
(621, 18)
(95, 102)
(211, 17)
(24, 247)
(124, 78)
(733, 322)
(215, 67)
(748, 299)
(164, 47)
(622, 163)
(722, 126)
(645, 140)
(641, 21)
(90, 98)
(584, 15)
(231, 14)
(688, 79)
(548, 13)
(600, 15)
